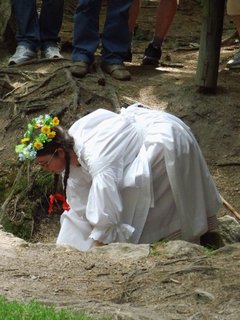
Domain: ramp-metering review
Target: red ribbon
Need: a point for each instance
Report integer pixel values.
(57, 197)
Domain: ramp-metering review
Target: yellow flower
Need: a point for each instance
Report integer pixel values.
(24, 140)
(51, 134)
(46, 129)
(55, 121)
(38, 145)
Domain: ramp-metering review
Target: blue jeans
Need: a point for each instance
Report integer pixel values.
(35, 31)
(115, 36)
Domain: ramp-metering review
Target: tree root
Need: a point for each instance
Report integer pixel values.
(75, 88)
(9, 198)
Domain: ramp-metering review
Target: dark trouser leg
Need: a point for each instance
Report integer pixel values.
(27, 23)
(86, 30)
(116, 35)
(50, 21)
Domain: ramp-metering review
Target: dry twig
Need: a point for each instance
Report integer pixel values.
(230, 208)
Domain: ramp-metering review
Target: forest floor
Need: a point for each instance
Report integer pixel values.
(196, 286)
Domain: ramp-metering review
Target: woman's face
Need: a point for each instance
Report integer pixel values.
(54, 162)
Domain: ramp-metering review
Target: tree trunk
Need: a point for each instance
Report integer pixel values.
(210, 45)
(7, 28)
(5, 13)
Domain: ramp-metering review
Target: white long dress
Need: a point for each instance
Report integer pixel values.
(142, 179)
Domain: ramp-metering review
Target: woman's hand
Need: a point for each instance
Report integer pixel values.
(98, 243)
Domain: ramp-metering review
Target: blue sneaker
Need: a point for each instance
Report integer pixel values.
(21, 55)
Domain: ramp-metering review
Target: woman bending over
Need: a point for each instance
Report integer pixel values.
(138, 176)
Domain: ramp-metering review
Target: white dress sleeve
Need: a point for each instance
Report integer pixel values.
(104, 209)
(105, 143)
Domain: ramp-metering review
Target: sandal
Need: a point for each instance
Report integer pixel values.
(117, 71)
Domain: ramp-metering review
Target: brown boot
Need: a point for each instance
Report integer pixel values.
(79, 69)
(117, 71)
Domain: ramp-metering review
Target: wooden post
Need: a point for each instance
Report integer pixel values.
(210, 45)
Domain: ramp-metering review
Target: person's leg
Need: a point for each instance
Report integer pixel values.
(237, 23)
(27, 23)
(116, 38)
(165, 13)
(85, 35)
(132, 21)
(233, 9)
(234, 62)
(27, 35)
(133, 15)
(86, 30)
(50, 22)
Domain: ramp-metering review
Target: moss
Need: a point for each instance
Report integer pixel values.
(156, 247)
(4, 189)
(21, 225)
(44, 180)
(210, 250)
(21, 185)
(7, 178)
(42, 183)
(22, 230)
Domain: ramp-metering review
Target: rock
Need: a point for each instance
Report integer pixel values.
(9, 244)
(123, 251)
(177, 249)
(229, 229)
(204, 295)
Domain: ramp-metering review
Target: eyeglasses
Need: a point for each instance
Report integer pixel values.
(46, 164)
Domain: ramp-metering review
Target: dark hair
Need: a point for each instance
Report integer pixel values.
(66, 142)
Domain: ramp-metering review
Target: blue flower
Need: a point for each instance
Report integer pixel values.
(21, 157)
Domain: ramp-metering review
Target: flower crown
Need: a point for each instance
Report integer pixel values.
(39, 131)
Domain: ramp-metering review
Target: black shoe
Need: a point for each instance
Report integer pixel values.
(152, 55)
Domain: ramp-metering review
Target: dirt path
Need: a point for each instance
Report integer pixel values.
(180, 281)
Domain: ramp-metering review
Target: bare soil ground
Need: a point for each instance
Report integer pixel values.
(177, 281)
(150, 287)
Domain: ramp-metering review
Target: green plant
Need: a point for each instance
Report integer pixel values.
(35, 311)
(210, 250)
(17, 216)
(156, 247)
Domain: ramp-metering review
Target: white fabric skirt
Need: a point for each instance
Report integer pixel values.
(167, 191)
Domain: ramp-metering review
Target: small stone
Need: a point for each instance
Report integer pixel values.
(204, 295)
